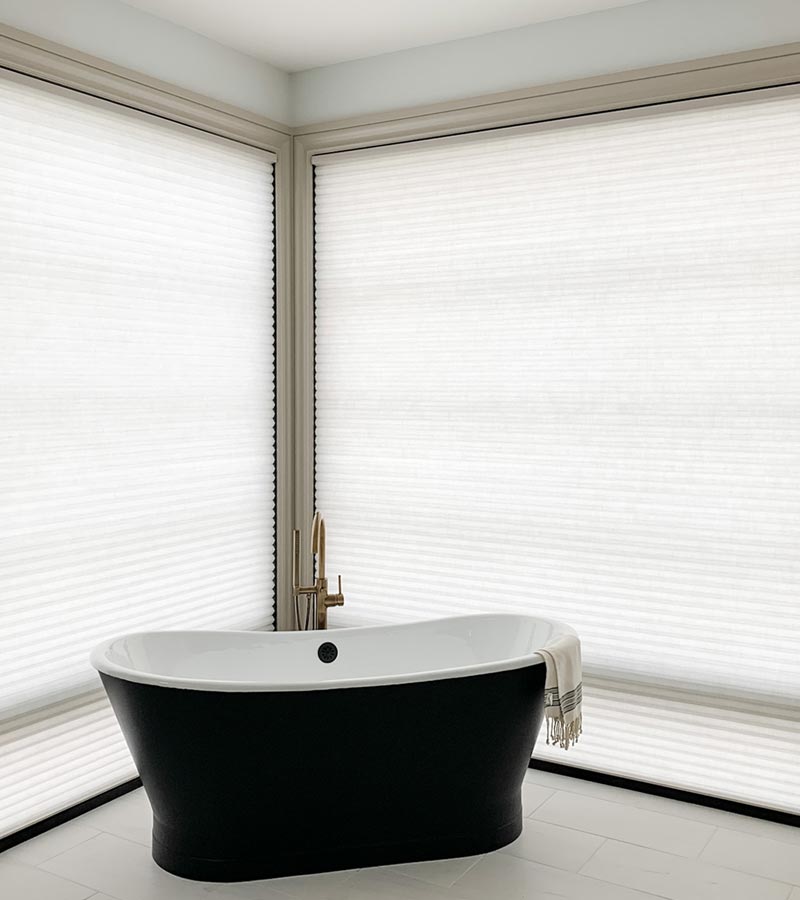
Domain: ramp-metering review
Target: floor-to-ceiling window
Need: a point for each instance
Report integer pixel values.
(558, 371)
(136, 414)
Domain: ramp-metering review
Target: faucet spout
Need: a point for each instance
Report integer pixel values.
(318, 542)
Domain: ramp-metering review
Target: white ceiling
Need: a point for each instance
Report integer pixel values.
(303, 34)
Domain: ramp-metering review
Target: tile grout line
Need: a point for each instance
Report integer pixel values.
(678, 856)
(602, 788)
(573, 829)
(50, 858)
(621, 840)
(540, 803)
(215, 892)
(614, 884)
(72, 881)
(703, 848)
(625, 887)
(727, 826)
(625, 803)
(697, 859)
(735, 872)
(467, 870)
(597, 880)
(81, 883)
(594, 853)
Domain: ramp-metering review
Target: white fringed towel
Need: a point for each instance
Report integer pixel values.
(563, 690)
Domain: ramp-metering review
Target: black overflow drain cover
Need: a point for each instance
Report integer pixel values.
(327, 652)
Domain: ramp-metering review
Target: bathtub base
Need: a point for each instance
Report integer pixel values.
(257, 785)
(327, 859)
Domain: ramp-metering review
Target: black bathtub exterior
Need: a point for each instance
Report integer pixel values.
(257, 785)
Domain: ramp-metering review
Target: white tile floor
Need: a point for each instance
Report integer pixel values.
(581, 841)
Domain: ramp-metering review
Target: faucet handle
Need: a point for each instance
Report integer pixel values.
(336, 599)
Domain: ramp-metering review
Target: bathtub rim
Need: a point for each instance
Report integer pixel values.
(104, 665)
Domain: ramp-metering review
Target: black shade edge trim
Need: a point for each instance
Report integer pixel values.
(314, 333)
(275, 474)
(59, 818)
(661, 790)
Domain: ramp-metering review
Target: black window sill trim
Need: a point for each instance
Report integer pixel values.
(59, 818)
(660, 790)
(630, 784)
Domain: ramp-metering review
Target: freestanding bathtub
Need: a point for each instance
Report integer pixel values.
(267, 754)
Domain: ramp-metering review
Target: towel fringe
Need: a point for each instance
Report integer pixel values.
(563, 734)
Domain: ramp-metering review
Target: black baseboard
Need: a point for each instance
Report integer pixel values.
(660, 790)
(31, 831)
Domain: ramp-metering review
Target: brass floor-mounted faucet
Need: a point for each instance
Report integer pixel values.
(319, 590)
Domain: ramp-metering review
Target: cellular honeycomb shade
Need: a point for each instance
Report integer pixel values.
(136, 410)
(557, 372)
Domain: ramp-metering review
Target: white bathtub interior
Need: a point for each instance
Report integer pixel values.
(373, 655)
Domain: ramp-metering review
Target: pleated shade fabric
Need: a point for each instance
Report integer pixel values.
(557, 372)
(136, 414)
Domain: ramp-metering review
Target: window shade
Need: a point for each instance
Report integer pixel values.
(557, 371)
(136, 405)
